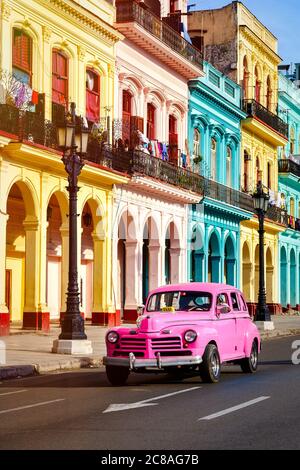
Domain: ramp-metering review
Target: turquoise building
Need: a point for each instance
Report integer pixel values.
(214, 141)
(289, 188)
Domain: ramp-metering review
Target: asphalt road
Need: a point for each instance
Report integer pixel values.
(78, 410)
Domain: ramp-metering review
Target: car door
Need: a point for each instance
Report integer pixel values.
(242, 323)
(226, 329)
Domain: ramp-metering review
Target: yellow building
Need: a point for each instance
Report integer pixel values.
(238, 44)
(53, 52)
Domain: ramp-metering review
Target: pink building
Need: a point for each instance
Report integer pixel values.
(154, 63)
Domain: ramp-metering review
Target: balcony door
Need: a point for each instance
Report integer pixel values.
(150, 121)
(59, 85)
(173, 140)
(126, 115)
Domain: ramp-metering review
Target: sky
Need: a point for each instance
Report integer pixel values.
(281, 17)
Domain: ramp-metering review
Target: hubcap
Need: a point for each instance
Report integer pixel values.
(215, 365)
(253, 357)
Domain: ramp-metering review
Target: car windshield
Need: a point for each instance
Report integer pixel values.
(186, 301)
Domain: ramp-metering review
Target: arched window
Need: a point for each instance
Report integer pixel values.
(22, 56)
(228, 166)
(269, 175)
(269, 93)
(292, 141)
(246, 171)
(196, 145)
(150, 121)
(213, 159)
(92, 95)
(292, 207)
(173, 140)
(126, 115)
(59, 79)
(257, 85)
(257, 169)
(246, 75)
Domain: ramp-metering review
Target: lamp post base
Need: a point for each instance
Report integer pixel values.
(72, 346)
(265, 325)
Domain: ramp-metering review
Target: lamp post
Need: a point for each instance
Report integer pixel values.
(261, 203)
(72, 140)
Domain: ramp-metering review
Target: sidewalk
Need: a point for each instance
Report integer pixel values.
(29, 352)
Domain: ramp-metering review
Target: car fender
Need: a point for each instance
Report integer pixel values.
(251, 334)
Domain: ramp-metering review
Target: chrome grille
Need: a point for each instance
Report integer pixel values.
(128, 343)
(162, 344)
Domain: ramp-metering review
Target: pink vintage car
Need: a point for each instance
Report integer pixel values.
(185, 327)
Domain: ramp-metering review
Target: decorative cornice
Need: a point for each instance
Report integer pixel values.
(254, 39)
(169, 191)
(218, 102)
(86, 18)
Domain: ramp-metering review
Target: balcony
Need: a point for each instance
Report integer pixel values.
(30, 128)
(26, 126)
(257, 110)
(156, 37)
(289, 166)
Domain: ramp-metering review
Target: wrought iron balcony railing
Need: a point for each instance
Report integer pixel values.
(275, 214)
(130, 11)
(255, 109)
(288, 166)
(229, 196)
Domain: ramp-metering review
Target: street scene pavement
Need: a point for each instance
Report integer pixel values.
(80, 410)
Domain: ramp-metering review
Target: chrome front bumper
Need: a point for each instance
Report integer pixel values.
(159, 362)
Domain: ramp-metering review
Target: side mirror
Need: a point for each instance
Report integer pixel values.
(224, 308)
(140, 309)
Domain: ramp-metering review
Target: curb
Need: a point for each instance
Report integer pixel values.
(279, 334)
(14, 372)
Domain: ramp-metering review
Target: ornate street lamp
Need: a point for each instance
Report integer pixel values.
(261, 204)
(73, 140)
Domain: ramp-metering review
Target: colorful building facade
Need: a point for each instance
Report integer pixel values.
(288, 186)
(63, 54)
(215, 139)
(236, 43)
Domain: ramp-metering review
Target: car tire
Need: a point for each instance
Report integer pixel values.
(117, 376)
(210, 368)
(249, 364)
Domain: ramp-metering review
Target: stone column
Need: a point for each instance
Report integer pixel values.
(33, 316)
(99, 314)
(4, 313)
(175, 264)
(133, 278)
(154, 265)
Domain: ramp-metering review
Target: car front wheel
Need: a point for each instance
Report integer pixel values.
(210, 369)
(117, 376)
(249, 364)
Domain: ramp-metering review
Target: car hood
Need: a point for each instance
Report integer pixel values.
(157, 321)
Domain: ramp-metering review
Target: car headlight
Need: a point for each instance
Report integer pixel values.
(112, 337)
(190, 336)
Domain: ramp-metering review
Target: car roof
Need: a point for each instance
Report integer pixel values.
(210, 287)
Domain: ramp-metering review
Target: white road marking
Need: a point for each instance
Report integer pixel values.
(234, 408)
(140, 404)
(10, 393)
(31, 406)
